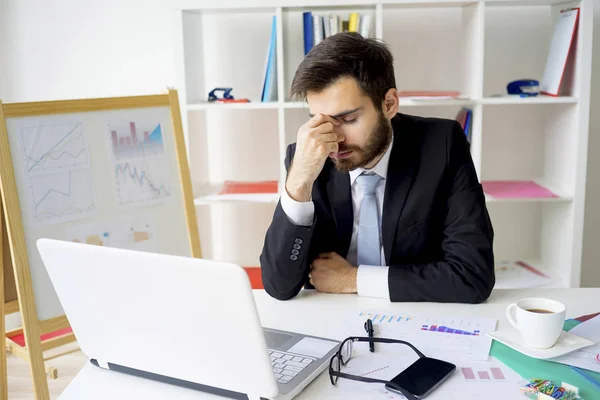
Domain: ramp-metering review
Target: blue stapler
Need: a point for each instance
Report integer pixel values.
(524, 87)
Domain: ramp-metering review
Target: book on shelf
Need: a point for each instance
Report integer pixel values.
(317, 27)
(269, 87)
(516, 189)
(464, 118)
(558, 71)
(249, 187)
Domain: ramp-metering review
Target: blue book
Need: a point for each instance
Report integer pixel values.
(269, 92)
(468, 125)
(308, 32)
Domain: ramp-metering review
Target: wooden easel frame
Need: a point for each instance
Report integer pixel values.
(3, 369)
(32, 327)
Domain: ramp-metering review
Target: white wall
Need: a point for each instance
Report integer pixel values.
(70, 48)
(591, 234)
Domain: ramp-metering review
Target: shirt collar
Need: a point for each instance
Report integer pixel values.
(380, 168)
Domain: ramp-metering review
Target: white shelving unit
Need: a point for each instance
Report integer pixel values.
(475, 47)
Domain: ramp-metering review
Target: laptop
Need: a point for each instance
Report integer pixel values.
(180, 320)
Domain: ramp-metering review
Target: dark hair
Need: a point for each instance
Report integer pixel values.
(346, 54)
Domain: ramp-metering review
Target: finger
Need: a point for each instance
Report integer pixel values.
(324, 128)
(320, 118)
(328, 137)
(333, 147)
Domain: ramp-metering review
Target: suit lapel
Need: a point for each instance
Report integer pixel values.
(400, 176)
(340, 198)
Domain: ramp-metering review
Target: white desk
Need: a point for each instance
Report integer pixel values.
(317, 314)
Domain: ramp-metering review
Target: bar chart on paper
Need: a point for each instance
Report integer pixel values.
(385, 318)
(494, 373)
(141, 168)
(451, 337)
(445, 329)
(136, 139)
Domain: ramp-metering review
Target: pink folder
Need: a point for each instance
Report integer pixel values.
(516, 189)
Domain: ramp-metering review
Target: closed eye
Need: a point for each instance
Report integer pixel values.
(350, 121)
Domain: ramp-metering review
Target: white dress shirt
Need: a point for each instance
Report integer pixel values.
(371, 280)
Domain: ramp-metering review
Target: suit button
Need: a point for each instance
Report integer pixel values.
(293, 257)
(297, 246)
(298, 241)
(295, 252)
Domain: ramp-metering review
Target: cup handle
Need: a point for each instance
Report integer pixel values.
(512, 315)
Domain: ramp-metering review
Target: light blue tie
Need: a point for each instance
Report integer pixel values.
(369, 247)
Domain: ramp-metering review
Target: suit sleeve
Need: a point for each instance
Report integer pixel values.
(466, 273)
(285, 256)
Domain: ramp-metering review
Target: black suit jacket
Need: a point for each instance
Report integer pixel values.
(437, 234)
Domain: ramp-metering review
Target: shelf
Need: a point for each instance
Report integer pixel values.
(524, 3)
(434, 102)
(428, 3)
(541, 99)
(406, 102)
(515, 186)
(517, 274)
(473, 47)
(295, 104)
(261, 198)
(233, 106)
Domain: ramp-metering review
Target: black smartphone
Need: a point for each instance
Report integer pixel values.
(423, 376)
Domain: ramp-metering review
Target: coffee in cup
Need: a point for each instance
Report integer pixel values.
(539, 320)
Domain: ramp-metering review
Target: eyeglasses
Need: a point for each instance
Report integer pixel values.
(344, 353)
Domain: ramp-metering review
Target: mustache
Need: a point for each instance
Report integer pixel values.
(343, 149)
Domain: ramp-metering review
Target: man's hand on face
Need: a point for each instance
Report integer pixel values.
(315, 142)
(331, 273)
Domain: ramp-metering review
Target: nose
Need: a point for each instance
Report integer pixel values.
(339, 130)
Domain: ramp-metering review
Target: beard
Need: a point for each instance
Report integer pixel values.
(377, 142)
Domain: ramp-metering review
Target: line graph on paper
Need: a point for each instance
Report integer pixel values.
(62, 196)
(141, 181)
(54, 147)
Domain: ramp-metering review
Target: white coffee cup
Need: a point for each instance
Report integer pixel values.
(540, 321)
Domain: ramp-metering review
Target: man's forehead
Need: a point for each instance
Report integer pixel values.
(338, 99)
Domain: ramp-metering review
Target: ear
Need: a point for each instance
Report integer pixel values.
(390, 103)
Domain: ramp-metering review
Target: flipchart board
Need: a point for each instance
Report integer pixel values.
(105, 171)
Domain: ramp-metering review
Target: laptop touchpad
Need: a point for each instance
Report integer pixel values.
(276, 339)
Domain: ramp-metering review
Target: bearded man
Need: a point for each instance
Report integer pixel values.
(376, 202)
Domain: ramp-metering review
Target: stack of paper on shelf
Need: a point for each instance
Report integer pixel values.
(506, 189)
(238, 187)
(519, 274)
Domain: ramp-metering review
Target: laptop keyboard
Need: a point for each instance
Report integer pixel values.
(287, 366)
